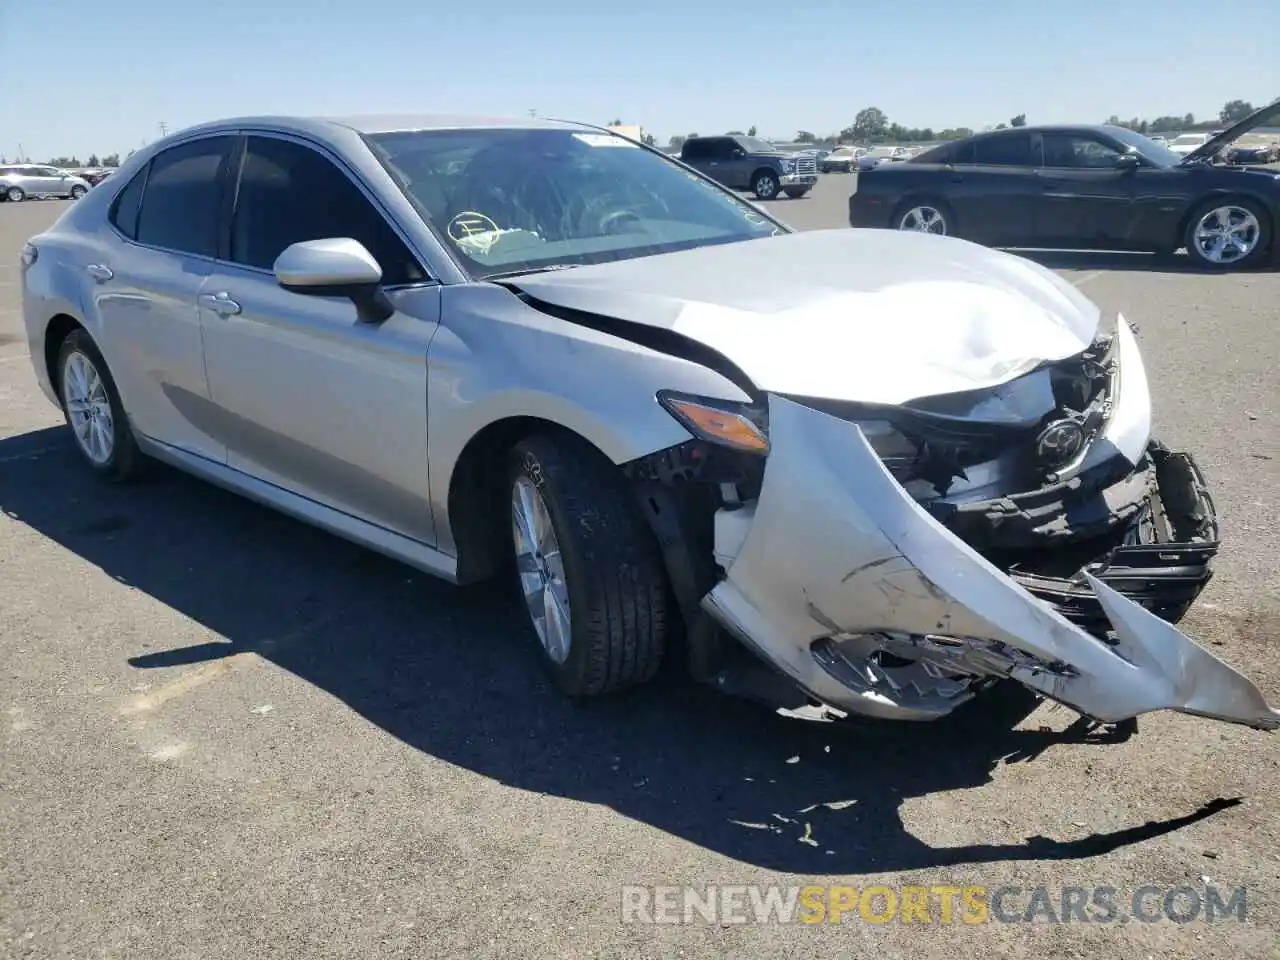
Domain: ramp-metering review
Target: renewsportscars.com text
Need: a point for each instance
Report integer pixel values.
(938, 904)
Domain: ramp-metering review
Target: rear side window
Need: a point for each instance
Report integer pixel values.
(1006, 151)
(183, 196)
(694, 149)
(124, 211)
(289, 193)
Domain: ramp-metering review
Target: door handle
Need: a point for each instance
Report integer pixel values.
(220, 303)
(99, 272)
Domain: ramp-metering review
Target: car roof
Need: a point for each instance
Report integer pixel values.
(379, 123)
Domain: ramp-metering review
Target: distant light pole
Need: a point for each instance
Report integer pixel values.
(164, 128)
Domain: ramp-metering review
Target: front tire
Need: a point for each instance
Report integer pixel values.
(588, 567)
(765, 185)
(15, 194)
(795, 193)
(1227, 233)
(77, 192)
(95, 414)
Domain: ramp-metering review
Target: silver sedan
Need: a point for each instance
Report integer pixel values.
(881, 470)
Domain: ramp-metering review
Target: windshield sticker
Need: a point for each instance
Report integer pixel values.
(474, 231)
(604, 140)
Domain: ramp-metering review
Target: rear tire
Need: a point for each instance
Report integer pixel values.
(601, 567)
(95, 414)
(915, 213)
(1245, 222)
(15, 194)
(765, 185)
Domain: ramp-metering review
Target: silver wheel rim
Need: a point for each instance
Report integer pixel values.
(88, 408)
(77, 192)
(1226, 234)
(924, 220)
(541, 567)
(14, 194)
(766, 188)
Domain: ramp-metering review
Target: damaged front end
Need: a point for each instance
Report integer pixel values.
(893, 562)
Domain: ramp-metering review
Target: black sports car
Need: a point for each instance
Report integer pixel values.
(1081, 187)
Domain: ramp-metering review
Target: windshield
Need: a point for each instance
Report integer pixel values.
(756, 145)
(515, 200)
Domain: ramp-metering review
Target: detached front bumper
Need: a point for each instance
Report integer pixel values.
(843, 582)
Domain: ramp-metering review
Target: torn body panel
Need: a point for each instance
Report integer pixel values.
(839, 578)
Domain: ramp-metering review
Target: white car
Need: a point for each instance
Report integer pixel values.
(23, 181)
(877, 471)
(1187, 142)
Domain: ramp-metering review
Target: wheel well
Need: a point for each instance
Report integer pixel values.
(1267, 220)
(769, 170)
(479, 513)
(59, 328)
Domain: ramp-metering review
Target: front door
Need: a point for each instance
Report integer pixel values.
(1085, 200)
(310, 398)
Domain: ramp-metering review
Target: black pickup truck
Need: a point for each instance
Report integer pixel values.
(749, 163)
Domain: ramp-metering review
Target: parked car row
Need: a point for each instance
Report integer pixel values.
(537, 349)
(1090, 187)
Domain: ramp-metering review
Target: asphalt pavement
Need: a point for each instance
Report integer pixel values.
(225, 734)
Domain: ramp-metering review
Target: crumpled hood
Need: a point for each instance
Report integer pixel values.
(875, 316)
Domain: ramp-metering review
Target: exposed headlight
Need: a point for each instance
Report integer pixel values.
(788, 166)
(734, 425)
(29, 254)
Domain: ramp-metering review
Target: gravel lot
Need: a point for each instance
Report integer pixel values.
(228, 735)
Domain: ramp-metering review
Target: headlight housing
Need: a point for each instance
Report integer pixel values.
(737, 426)
(788, 166)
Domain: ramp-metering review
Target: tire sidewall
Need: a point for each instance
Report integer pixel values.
(14, 194)
(78, 192)
(123, 448)
(1256, 256)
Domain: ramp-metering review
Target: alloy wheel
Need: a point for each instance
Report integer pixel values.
(924, 219)
(541, 567)
(1226, 234)
(84, 393)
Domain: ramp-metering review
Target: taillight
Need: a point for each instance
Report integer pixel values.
(29, 254)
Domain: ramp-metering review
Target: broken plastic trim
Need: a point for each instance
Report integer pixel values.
(834, 547)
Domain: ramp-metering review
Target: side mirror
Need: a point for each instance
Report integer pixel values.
(1128, 161)
(338, 267)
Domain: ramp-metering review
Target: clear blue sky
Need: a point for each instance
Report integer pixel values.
(80, 77)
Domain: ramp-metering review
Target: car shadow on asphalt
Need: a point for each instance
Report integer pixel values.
(452, 673)
(1179, 263)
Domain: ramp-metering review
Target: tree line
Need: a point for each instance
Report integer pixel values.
(871, 125)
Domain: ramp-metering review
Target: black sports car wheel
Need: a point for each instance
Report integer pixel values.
(1228, 233)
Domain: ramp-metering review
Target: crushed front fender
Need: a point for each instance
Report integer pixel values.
(835, 560)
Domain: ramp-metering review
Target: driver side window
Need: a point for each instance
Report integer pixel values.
(1077, 151)
(290, 193)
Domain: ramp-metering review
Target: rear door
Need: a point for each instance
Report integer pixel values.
(308, 397)
(991, 188)
(144, 280)
(1084, 199)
